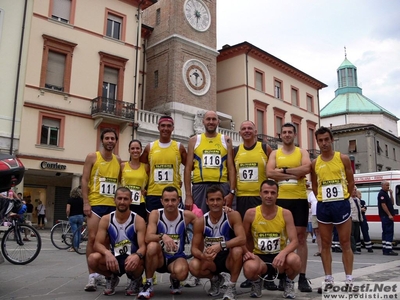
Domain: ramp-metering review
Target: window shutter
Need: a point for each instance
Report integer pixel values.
(260, 122)
(53, 123)
(62, 9)
(259, 79)
(110, 75)
(114, 18)
(352, 146)
(294, 97)
(55, 69)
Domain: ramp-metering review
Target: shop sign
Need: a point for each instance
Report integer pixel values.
(52, 165)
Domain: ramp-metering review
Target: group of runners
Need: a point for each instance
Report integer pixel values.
(137, 218)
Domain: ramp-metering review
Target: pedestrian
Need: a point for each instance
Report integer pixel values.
(99, 182)
(29, 209)
(364, 224)
(314, 222)
(356, 219)
(386, 213)
(288, 166)
(332, 180)
(41, 211)
(75, 216)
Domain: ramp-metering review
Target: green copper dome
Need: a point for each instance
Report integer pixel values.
(349, 98)
(346, 64)
(352, 103)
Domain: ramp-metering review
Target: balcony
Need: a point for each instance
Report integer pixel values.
(313, 153)
(269, 140)
(111, 110)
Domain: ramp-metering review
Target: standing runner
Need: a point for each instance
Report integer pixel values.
(99, 183)
(134, 175)
(250, 160)
(210, 159)
(332, 180)
(164, 157)
(288, 166)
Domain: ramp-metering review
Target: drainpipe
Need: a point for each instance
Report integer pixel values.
(143, 74)
(247, 84)
(139, 27)
(319, 112)
(17, 79)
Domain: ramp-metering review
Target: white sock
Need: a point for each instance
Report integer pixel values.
(328, 278)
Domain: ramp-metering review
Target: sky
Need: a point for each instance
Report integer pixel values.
(311, 36)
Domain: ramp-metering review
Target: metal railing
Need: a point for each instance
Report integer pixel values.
(113, 108)
(269, 140)
(313, 153)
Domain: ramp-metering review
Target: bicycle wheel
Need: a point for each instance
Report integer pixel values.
(61, 235)
(16, 250)
(84, 240)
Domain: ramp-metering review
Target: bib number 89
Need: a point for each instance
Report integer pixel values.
(331, 192)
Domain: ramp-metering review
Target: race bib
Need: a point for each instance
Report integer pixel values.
(136, 194)
(108, 186)
(122, 247)
(332, 190)
(211, 159)
(209, 241)
(269, 243)
(248, 172)
(163, 174)
(177, 241)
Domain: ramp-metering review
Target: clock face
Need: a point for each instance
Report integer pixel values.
(197, 14)
(196, 77)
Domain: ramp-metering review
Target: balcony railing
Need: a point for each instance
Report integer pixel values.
(234, 135)
(102, 106)
(269, 140)
(313, 153)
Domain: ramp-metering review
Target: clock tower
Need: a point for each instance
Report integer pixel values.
(181, 56)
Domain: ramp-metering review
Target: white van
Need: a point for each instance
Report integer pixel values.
(369, 184)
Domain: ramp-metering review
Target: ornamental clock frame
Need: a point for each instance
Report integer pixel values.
(197, 14)
(196, 77)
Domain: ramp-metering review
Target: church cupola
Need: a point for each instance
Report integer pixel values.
(347, 78)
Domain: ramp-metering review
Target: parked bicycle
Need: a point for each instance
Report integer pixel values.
(61, 235)
(16, 248)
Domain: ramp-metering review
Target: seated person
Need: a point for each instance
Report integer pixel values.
(217, 244)
(165, 238)
(267, 228)
(125, 231)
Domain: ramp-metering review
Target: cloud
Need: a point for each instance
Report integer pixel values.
(311, 36)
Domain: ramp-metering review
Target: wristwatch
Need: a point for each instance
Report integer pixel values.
(233, 192)
(139, 254)
(161, 235)
(223, 246)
